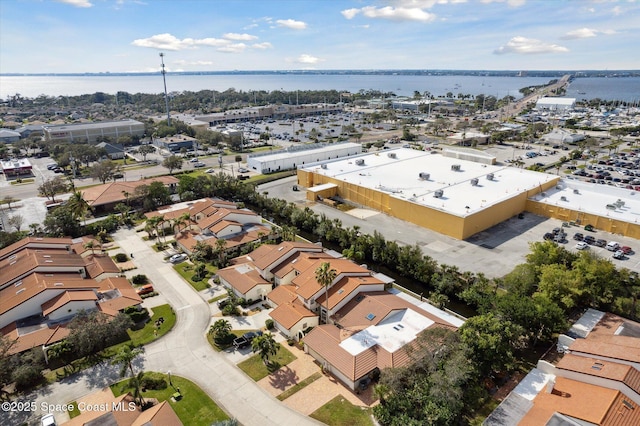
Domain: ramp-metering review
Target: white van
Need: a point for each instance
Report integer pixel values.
(613, 246)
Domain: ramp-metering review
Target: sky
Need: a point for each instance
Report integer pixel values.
(93, 36)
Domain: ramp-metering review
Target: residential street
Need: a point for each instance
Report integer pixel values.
(184, 351)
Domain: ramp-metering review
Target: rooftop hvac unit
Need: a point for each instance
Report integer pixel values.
(474, 182)
(324, 166)
(424, 175)
(490, 176)
(455, 167)
(391, 155)
(439, 193)
(576, 191)
(563, 198)
(360, 162)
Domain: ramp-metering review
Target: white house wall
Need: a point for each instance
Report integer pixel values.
(30, 307)
(71, 308)
(229, 230)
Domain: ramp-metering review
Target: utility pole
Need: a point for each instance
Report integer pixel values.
(166, 97)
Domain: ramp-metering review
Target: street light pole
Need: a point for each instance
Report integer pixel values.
(166, 97)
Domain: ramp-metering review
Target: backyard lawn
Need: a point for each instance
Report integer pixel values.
(194, 408)
(147, 334)
(185, 269)
(340, 412)
(255, 368)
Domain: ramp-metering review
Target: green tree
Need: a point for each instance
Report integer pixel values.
(266, 346)
(325, 275)
(145, 150)
(77, 205)
(173, 163)
(61, 222)
(103, 171)
(16, 221)
(220, 330)
(52, 187)
(125, 358)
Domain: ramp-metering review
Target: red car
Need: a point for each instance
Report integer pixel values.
(626, 250)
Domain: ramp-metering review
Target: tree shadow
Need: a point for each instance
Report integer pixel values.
(282, 378)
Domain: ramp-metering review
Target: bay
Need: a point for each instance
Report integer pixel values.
(625, 89)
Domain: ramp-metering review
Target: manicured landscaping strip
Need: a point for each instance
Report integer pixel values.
(255, 368)
(185, 270)
(339, 412)
(299, 386)
(195, 408)
(74, 412)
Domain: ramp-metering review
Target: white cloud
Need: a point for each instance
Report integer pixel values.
(308, 59)
(586, 33)
(233, 48)
(237, 37)
(391, 13)
(291, 24)
(262, 46)
(76, 3)
(527, 46)
(201, 63)
(511, 3)
(616, 10)
(168, 41)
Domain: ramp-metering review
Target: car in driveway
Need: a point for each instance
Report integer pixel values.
(177, 258)
(145, 289)
(48, 420)
(246, 339)
(582, 245)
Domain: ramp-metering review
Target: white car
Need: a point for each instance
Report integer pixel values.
(582, 245)
(48, 420)
(177, 258)
(194, 160)
(210, 171)
(243, 170)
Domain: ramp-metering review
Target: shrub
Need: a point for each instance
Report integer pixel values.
(152, 382)
(121, 257)
(27, 376)
(230, 309)
(138, 316)
(268, 324)
(139, 279)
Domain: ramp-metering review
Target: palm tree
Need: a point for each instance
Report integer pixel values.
(125, 357)
(78, 205)
(221, 250)
(325, 276)
(91, 244)
(266, 346)
(220, 329)
(135, 382)
(154, 222)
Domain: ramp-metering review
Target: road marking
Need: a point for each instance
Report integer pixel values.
(184, 307)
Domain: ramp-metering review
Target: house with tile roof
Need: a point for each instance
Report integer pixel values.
(103, 198)
(45, 282)
(596, 381)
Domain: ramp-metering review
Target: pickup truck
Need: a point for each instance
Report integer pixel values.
(246, 339)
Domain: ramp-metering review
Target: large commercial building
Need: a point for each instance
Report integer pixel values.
(555, 104)
(92, 132)
(281, 111)
(449, 195)
(295, 156)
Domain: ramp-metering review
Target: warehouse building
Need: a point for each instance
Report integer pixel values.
(555, 104)
(296, 156)
(449, 195)
(93, 132)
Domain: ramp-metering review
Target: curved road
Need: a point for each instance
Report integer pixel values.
(184, 351)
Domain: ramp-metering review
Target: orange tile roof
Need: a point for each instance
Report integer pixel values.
(159, 415)
(289, 314)
(29, 259)
(283, 294)
(617, 347)
(109, 416)
(221, 225)
(299, 261)
(34, 339)
(33, 242)
(309, 287)
(602, 368)
(98, 264)
(114, 192)
(282, 250)
(242, 277)
(66, 297)
(583, 401)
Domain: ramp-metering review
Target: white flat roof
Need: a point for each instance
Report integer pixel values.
(392, 333)
(556, 101)
(400, 177)
(602, 200)
(292, 153)
(533, 383)
(322, 187)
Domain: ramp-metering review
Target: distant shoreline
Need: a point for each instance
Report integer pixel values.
(485, 73)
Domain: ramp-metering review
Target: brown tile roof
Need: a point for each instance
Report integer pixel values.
(159, 415)
(110, 416)
(189, 238)
(289, 314)
(98, 264)
(617, 347)
(602, 368)
(283, 294)
(29, 259)
(42, 336)
(113, 192)
(193, 208)
(33, 242)
(66, 297)
(243, 277)
(78, 245)
(589, 403)
(309, 287)
(300, 262)
(276, 253)
(221, 225)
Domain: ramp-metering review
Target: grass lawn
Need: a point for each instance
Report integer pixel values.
(194, 409)
(185, 270)
(299, 386)
(340, 412)
(255, 368)
(75, 412)
(146, 334)
(215, 299)
(217, 348)
(22, 182)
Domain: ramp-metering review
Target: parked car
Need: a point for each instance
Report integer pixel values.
(52, 166)
(145, 289)
(589, 239)
(243, 170)
(210, 171)
(199, 164)
(626, 250)
(548, 236)
(578, 236)
(246, 339)
(177, 258)
(48, 420)
(194, 160)
(582, 245)
(619, 254)
(601, 243)
(613, 246)
(223, 303)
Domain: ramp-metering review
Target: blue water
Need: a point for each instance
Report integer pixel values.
(627, 89)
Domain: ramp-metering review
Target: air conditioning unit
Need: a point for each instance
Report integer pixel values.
(424, 175)
(360, 162)
(563, 198)
(455, 167)
(438, 194)
(324, 166)
(490, 176)
(474, 182)
(391, 155)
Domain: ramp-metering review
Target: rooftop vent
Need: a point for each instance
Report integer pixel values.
(563, 198)
(576, 191)
(21, 290)
(370, 316)
(439, 193)
(360, 162)
(455, 167)
(490, 176)
(58, 284)
(474, 182)
(424, 175)
(392, 155)
(324, 166)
